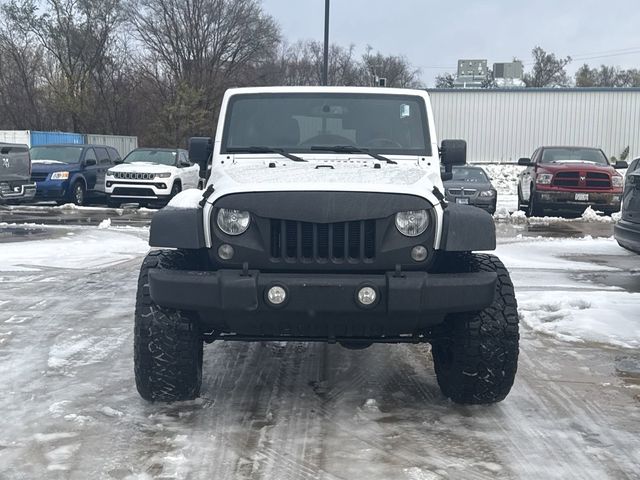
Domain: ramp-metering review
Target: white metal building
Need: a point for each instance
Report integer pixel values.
(502, 125)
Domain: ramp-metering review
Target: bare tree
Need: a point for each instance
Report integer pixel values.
(446, 80)
(198, 48)
(20, 76)
(395, 68)
(547, 71)
(77, 36)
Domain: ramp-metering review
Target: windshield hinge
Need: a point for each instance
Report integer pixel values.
(438, 194)
(205, 196)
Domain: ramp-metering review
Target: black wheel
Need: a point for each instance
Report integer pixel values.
(476, 354)
(521, 205)
(533, 209)
(77, 193)
(168, 344)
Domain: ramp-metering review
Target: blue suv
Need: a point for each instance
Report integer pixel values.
(70, 172)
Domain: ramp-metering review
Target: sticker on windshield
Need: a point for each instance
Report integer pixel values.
(405, 111)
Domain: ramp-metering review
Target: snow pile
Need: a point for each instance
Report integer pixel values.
(186, 199)
(555, 281)
(610, 317)
(504, 177)
(106, 223)
(88, 249)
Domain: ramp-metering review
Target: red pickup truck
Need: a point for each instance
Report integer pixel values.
(569, 179)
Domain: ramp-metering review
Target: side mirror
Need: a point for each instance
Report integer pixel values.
(621, 164)
(118, 161)
(525, 162)
(200, 150)
(453, 152)
(184, 163)
(90, 162)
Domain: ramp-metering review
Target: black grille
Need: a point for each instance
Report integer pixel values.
(303, 241)
(566, 179)
(38, 177)
(598, 180)
(134, 192)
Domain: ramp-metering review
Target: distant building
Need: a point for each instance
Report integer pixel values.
(471, 73)
(508, 74)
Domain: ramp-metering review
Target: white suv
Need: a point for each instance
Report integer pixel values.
(151, 175)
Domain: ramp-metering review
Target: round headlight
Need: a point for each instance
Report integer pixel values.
(412, 223)
(233, 222)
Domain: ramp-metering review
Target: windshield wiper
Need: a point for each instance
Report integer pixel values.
(351, 149)
(254, 149)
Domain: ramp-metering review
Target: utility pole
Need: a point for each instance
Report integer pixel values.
(325, 69)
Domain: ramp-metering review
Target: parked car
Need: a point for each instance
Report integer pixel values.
(627, 229)
(323, 220)
(71, 172)
(471, 186)
(569, 179)
(151, 175)
(15, 174)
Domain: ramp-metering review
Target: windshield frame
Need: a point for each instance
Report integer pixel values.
(79, 160)
(168, 150)
(426, 152)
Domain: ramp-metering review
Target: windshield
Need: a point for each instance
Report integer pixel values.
(573, 155)
(164, 157)
(57, 154)
(474, 175)
(298, 122)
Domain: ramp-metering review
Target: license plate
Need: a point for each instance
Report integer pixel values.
(582, 197)
(462, 200)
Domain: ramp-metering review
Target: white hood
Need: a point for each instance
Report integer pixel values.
(143, 167)
(335, 175)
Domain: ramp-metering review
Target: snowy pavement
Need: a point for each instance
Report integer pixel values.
(314, 411)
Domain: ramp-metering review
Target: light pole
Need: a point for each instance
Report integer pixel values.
(325, 68)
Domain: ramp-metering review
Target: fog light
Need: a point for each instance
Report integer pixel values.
(225, 251)
(418, 253)
(367, 296)
(276, 295)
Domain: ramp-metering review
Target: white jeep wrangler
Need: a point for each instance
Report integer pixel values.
(324, 220)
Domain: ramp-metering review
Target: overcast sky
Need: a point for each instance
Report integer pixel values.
(434, 35)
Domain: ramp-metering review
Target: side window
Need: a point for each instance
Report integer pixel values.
(183, 157)
(113, 153)
(103, 156)
(90, 155)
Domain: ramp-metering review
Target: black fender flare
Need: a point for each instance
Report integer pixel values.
(177, 228)
(466, 229)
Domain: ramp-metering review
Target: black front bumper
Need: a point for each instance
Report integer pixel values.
(628, 235)
(321, 304)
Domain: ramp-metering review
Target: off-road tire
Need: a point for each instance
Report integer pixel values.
(476, 354)
(168, 344)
